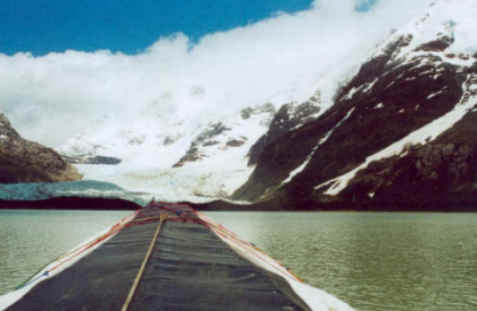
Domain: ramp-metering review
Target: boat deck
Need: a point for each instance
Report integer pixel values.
(186, 266)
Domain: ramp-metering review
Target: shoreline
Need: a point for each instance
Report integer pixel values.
(85, 203)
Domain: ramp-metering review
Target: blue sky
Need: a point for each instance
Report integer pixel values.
(129, 26)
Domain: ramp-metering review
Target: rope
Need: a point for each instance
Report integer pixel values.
(125, 307)
(142, 221)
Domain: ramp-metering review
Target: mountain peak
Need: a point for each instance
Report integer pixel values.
(450, 19)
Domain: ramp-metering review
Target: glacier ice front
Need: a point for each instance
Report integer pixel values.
(84, 188)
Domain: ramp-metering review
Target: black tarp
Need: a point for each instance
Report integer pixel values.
(190, 269)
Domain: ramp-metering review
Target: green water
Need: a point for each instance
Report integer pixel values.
(373, 261)
(30, 239)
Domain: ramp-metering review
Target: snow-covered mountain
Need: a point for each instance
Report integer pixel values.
(174, 161)
(401, 131)
(400, 123)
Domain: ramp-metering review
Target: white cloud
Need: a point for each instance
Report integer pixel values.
(53, 97)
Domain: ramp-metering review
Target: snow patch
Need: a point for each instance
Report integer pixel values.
(351, 93)
(427, 72)
(370, 85)
(432, 95)
(390, 84)
(362, 88)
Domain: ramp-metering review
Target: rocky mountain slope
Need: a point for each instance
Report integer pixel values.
(25, 161)
(400, 134)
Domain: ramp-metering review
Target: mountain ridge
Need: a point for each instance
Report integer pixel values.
(414, 85)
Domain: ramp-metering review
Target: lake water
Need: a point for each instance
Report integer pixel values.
(373, 261)
(30, 239)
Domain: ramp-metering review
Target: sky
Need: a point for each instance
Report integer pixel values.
(67, 66)
(129, 26)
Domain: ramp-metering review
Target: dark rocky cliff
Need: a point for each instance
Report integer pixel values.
(439, 174)
(25, 161)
